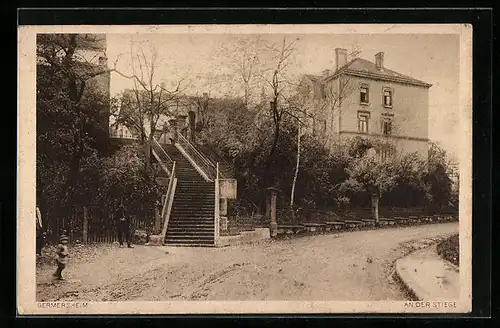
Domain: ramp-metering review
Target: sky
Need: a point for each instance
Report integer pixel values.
(200, 59)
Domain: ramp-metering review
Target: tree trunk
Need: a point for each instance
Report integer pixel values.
(147, 153)
(85, 226)
(375, 199)
(292, 194)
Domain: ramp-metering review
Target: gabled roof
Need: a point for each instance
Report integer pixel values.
(364, 68)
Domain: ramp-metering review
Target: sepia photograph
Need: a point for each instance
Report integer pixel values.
(245, 169)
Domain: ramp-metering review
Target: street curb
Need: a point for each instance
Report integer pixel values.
(410, 293)
(414, 291)
(410, 288)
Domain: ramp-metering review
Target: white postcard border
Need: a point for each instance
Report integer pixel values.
(26, 285)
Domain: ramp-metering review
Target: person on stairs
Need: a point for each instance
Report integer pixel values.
(123, 225)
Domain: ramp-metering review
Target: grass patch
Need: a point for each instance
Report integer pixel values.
(449, 249)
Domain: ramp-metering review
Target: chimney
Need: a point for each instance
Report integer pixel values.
(340, 57)
(103, 61)
(379, 60)
(326, 73)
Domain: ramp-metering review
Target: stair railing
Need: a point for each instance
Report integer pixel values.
(161, 156)
(169, 200)
(217, 204)
(203, 163)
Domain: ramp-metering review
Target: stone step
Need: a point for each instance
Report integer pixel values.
(190, 240)
(195, 199)
(197, 216)
(195, 184)
(181, 228)
(191, 225)
(191, 228)
(194, 204)
(189, 174)
(172, 244)
(205, 201)
(191, 232)
(191, 236)
(194, 192)
(195, 207)
(192, 222)
(190, 215)
(208, 211)
(201, 219)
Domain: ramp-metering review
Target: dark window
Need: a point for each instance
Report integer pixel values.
(387, 98)
(387, 127)
(364, 92)
(363, 123)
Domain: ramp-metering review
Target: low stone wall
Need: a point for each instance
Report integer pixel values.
(322, 216)
(365, 224)
(244, 237)
(239, 224)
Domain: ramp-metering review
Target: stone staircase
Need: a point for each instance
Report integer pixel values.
(192, 221)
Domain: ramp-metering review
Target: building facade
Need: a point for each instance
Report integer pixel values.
(364, 98)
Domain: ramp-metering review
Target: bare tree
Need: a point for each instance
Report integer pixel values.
(248, 64)
(278, 81)
(245, 59)
(148, 101)
(298, 111)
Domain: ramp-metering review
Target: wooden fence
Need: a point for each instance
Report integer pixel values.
(242, 221)
(95, 225)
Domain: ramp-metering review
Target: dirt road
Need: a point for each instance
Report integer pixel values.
(341, 266)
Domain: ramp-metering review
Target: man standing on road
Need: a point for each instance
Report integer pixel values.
(123, 225)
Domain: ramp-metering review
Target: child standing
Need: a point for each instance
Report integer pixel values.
(62, 254)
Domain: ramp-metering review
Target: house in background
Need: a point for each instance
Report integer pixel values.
(180, 112)
(364, 98)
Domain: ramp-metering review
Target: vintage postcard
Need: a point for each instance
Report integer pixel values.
(229, 169)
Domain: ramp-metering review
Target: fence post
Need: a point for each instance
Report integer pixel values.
(85, 225)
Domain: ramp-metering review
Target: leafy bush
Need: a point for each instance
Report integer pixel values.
(124, 177)
(449, 250)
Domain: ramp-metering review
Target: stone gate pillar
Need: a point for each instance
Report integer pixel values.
(192, 125)
(272, 196)
(173, 129)
(181, 124)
